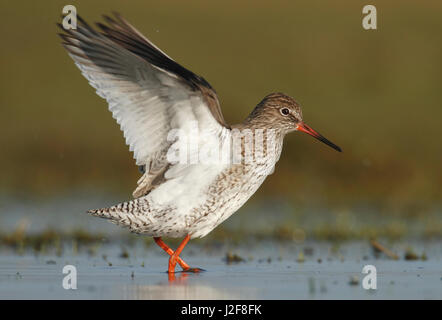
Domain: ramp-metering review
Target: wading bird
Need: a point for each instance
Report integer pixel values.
(149, 94)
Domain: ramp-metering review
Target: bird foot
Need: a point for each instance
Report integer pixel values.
(194, 270)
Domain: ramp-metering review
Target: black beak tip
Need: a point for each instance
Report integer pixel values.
(329, 143)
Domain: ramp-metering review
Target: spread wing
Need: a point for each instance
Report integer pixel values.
(148, 93)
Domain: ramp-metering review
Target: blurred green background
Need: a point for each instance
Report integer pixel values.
(377, 94)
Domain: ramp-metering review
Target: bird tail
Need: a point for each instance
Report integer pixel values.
(131, 214)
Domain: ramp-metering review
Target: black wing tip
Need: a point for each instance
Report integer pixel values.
(132, 42)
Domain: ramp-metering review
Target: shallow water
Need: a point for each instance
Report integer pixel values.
(270, 271)
(271, 268)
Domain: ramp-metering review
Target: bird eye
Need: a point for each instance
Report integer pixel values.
(285, 111)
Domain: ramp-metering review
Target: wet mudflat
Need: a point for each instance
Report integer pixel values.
(266, 270)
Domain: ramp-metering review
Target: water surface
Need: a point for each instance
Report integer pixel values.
(269, 271)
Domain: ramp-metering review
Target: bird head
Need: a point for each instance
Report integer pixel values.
(282, 113)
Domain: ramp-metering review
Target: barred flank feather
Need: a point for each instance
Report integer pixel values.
(131, 214)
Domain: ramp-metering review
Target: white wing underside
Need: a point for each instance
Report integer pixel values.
(146, 101)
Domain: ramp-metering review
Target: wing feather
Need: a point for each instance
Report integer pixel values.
(148, 93)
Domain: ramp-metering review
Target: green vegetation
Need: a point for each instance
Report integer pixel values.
(90, 242)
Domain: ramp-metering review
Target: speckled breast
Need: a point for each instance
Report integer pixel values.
(232, 188)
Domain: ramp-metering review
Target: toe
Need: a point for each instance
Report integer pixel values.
(194, 270)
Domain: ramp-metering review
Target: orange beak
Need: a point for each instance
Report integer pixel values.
(305, 128)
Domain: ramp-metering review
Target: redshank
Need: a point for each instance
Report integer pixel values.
(153, 98)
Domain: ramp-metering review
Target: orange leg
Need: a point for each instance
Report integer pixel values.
(174, 256)
(170, 252)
